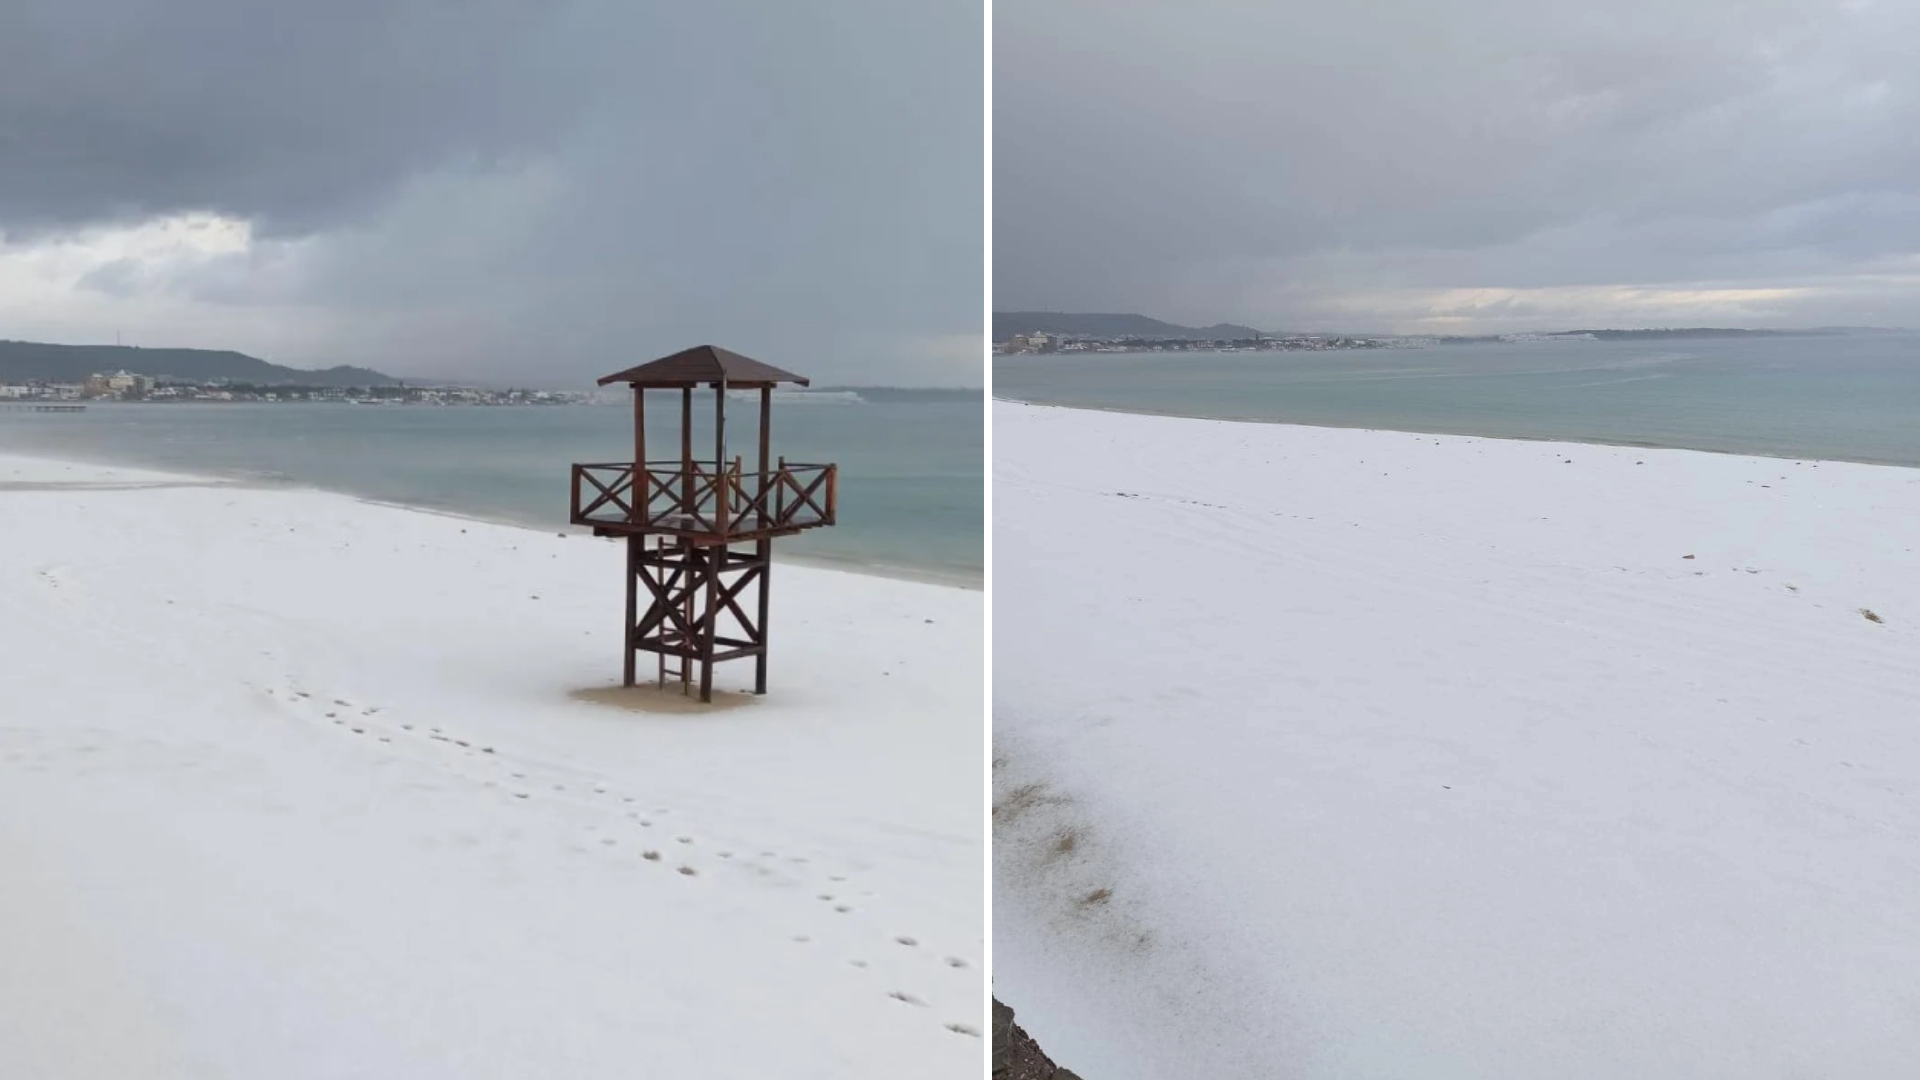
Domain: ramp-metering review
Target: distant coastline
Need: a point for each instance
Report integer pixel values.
(1016, 332)
(43, 362)
(1662, 334)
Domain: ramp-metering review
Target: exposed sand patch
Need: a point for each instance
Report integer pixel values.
(651, 697)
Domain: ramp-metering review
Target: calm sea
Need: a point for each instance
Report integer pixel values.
(1853, 397)
(911, 462)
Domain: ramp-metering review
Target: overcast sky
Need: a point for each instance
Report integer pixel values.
(507, 189)
(1468, 166)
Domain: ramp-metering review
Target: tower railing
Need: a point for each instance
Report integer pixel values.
(697, 500)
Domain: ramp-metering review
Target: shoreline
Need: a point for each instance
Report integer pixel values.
(1568, 440)
(972, 581)
(884, 571)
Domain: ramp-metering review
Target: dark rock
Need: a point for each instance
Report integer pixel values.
(1016, 1056)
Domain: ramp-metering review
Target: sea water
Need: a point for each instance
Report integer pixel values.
(1853, 397)
(911, 490)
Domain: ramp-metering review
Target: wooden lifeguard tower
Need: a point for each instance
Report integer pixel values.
(686, 521)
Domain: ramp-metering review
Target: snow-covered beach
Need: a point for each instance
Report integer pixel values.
(1361, 754)
(294, 785)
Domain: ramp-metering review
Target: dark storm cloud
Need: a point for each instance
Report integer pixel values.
(1272, 163)
(295, 115)
(559, 184)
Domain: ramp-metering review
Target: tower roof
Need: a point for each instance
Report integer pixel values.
(701, 365)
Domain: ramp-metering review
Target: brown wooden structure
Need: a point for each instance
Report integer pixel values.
(699, 530)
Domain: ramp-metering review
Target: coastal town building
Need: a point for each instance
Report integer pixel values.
(1018, 344)
(137, 386)
(120, 384)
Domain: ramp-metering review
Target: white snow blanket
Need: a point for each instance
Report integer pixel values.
(295, 786)
(1361, 754)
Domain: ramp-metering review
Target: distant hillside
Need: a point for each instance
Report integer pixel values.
(1690, 332)
(23, 361)
(1008, 323)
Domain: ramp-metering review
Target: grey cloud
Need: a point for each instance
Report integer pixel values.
(584, 179)
(119, 278)
(1220, 159)
(294, 115)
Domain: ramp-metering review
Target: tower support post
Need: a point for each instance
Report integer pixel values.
(763, 553)
(709, 624)
(629, 645)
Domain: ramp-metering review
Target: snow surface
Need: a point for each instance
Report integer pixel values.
(297, 786)
(1361, 754)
